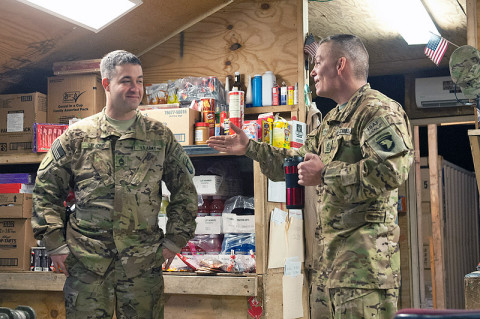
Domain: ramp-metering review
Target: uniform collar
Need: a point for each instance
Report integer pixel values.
(352, 104)
(136, 131)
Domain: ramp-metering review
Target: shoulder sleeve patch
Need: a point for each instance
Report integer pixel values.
(46, 161)
(387, 143)
(57, 150)
(375, 126)
(185, 160)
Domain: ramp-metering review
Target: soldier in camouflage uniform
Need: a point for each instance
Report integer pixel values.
(115, 161)
(357, 159)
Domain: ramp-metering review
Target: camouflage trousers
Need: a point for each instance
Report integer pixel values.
(88, 295)
(351, 303)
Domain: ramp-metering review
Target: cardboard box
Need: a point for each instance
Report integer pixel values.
(16, 241)
(16, 205)
(44, 134)
(74, 96)
(210, 185)
(240, 224)
(181, 121)
(18, 112)
(76, 67)
(208, 225)
(298, 134)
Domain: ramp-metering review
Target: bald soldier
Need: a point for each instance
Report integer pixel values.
(357, 158)
(115, 161)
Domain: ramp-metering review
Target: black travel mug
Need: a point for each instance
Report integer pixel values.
(295, 196)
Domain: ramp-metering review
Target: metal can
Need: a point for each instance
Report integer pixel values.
(283, 95)
(236, 109)
(275, 95)
(290, 95)
(209, 117)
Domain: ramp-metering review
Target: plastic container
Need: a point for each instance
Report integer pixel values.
(202, 133)
(257, 90)
(268, 79)
(204, 208)
(248, 93)
(216, 206)
(236, 108)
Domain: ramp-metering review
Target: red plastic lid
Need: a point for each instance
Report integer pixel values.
(202, 124)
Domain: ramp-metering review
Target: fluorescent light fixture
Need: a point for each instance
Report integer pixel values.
(409, 18)
(93, 15)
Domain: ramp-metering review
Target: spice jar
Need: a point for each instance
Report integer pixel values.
(202, 133)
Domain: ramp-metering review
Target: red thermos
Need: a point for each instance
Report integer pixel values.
(295, 196)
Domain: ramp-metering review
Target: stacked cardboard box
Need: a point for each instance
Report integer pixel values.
(16, 235)
(18, 112)
(74, 96)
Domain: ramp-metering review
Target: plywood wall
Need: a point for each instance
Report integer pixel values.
(246, 36)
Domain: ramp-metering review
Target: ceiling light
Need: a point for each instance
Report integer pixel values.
(90, 14)
(408, 17)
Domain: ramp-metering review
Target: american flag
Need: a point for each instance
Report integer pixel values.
(310, 46)
(436, 48)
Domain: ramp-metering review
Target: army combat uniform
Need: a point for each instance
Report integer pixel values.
(366, 147)
(113, 236)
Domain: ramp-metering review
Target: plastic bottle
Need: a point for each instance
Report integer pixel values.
(216, 206)
(295, 94)
(268, 79)
(204, 208)
(236, 109)
(257, 90)
(248, 93)
(238, 83)
(227, 90)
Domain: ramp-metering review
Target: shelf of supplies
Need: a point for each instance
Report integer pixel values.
(200, 150)
(190, 283)
(36, 158)
(21, 158)
(274, 109)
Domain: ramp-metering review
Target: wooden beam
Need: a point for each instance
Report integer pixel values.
(472, 18)
(226, 285)
(474, 137)
(437, 229)
(419, 222)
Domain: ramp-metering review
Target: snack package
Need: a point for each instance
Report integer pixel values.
(157, 93)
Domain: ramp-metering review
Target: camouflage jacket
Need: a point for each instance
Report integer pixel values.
(116, 179)
(367, 151)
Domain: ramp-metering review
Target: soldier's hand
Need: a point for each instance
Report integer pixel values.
(235, 144)
(168, 255)
(59, 264)
(310, 170)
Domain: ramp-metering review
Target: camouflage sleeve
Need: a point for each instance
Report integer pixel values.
(50, 191)
(387, 151)
(183, 206)
(271, 158)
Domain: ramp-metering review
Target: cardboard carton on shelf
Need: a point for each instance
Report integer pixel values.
(180, 121)
(18, 112)
(16, 241)
(14, 205)
(74, 96)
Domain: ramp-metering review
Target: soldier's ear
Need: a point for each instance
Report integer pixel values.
(105, 83)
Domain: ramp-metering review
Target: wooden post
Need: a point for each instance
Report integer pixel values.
(419, 215)
(437, 226)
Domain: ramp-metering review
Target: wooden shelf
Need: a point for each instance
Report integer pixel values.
(274, 109)
(188, 284)
(36, 158)
(21, 158)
